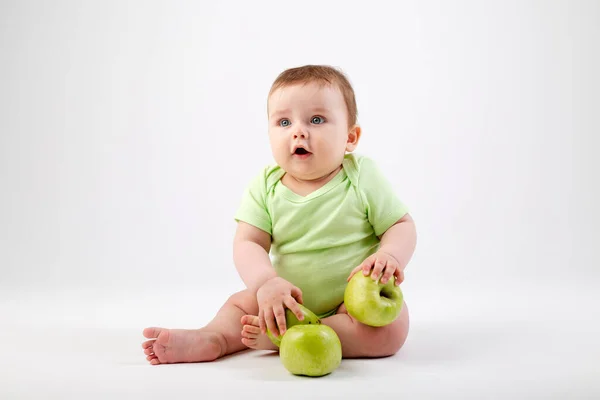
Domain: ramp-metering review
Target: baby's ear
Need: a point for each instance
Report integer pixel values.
(353, 138)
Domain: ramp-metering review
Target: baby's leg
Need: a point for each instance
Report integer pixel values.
(362, 341)
(358, 340)
(220, 337)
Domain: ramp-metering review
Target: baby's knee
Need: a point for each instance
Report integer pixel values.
(397, 332)
(244, 300)
(387, 340)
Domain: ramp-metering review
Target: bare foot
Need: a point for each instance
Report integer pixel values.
(252, 337)
(168, 346)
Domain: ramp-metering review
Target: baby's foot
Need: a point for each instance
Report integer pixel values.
(169, 346)
(252, 337)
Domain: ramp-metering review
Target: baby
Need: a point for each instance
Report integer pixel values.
(304, 227)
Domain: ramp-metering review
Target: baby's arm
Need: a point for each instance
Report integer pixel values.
(395, 251)
(251, 248)
(391, 222)
(400, 241)
(251, 256)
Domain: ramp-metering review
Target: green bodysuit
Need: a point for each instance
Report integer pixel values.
(318, 239)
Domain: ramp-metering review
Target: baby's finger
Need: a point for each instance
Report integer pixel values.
(379, 266)
(399, 275)
(390, 269)
(367, 265)
(280, 318)
(297, 294)
(261, 321)
(355, 270)
(271, 322)
(293, 305)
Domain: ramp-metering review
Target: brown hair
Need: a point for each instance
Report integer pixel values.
(323, 74)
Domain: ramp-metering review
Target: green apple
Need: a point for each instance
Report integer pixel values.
(310, 318)
(310, 350)
(372, 302)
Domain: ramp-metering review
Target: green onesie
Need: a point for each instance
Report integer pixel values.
(319, 238)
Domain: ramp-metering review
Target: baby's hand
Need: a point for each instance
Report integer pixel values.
(272, 296)
(380, 262)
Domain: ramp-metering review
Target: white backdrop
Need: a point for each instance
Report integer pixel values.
(128, 131)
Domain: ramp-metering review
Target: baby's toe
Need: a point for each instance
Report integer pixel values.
(148, 344)
(152, 332)
(248, 335)
(251, 330)
(148, 351)
(154, 361)
(250, 320)
(249, 342)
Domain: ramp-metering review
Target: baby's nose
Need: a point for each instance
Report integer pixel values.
(300, 134)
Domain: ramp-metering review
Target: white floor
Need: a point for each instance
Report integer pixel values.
(512, 342)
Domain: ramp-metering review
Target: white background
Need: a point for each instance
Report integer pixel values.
(128, 131)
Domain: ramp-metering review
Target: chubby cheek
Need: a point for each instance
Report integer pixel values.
(329, 144)
(279, 146)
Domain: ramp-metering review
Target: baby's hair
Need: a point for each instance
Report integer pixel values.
(323, 74)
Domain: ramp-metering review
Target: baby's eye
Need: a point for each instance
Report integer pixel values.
(317, 120)
(284, 122)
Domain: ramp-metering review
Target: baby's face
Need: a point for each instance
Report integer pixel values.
(308, 129)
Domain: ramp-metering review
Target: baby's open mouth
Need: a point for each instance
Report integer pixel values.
(300, 151)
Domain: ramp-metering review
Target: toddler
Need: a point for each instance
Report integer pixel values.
(304, 226)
